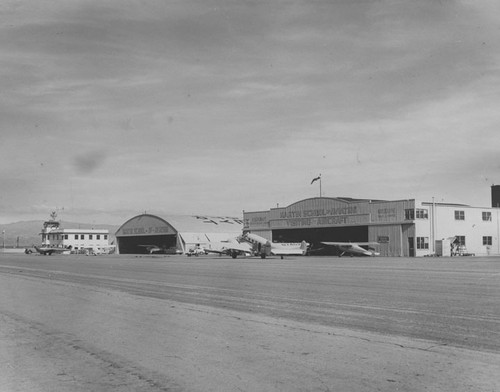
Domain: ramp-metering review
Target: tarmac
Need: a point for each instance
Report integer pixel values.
(123, 323)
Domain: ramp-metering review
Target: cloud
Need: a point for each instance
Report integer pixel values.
(89, 162)
(385, 99)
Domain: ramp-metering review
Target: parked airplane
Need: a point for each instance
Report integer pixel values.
(47, 251)
(101, 250)
(230, 247)
(265, 247)
(355, 248)
(152, 249)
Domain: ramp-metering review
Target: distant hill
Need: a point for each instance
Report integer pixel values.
(27, 233)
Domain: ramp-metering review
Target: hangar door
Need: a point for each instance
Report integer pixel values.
(314, 237)
(146, 234)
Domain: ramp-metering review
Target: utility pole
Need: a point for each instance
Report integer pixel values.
(433, 229)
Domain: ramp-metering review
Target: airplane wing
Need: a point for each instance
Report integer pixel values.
(354, 248)
(343, 244)
(229, 248)
(350, 244)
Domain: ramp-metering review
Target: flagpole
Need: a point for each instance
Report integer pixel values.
(316, 179)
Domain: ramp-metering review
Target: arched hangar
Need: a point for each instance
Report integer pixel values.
(148, 233)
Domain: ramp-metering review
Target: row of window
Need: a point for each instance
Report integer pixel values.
(423, 242)
(419, 213)
(77, 236)
(91, 236)
(422, 213)
(460, 215)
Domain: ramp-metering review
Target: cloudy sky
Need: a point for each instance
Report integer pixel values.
(112, 108)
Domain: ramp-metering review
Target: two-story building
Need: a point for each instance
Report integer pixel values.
(53, 235)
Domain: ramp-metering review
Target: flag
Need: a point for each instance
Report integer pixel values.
(316, 179)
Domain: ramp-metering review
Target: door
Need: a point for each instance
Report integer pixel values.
(411, 247)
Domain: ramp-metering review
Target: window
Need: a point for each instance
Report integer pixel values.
(409, 214)
(98, 236)
(487, 240)
(65, 236)
(486, 216)
(422, 213)
(76, 236)
(459, 240)
(422, 242)
(459, 215)
(90, 236)
(82, 237)
(105, 236)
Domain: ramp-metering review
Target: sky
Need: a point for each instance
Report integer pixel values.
(109, 109)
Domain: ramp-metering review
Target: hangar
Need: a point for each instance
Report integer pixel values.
(174, 233)
(401, 227)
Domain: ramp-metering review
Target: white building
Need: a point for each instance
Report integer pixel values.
(78, 239)
(445, 228)
(53, 235)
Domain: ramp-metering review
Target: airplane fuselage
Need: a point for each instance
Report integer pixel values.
(265, 247)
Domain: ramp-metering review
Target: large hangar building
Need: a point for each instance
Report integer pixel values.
(402, 227)
(174, 233)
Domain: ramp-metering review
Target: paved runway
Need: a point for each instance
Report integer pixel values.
(303, 323)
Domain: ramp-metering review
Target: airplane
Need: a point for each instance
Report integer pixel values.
(47, 251)
(101, 250)
(156, 249)
(230, 247)
(151, 248)
(265, 247)
(355, 248)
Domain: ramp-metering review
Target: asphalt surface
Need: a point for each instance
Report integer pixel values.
(302, 323)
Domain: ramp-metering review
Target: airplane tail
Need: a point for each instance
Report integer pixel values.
(304, 246)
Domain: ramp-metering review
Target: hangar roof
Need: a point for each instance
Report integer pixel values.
(147, 224)
(205, 223)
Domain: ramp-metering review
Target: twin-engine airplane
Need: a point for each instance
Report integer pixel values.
(354, 248)
(266, 248)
